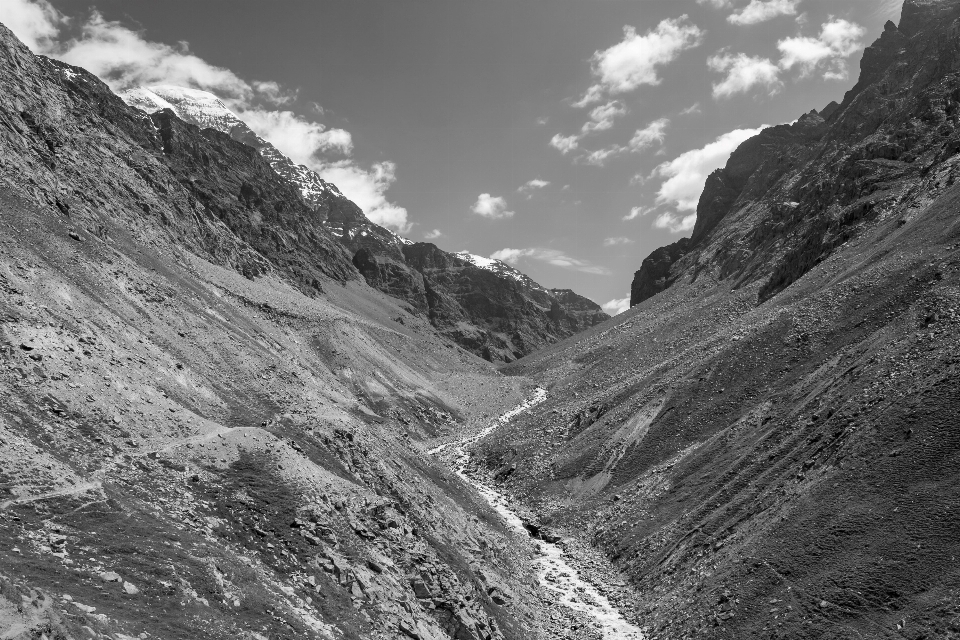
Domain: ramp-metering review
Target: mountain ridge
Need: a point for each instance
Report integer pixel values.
(503, 326)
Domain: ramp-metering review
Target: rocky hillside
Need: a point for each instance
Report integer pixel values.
(767, 442)
(485, 306)
(210, 425)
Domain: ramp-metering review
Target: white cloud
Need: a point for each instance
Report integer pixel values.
(36, 23)
(433, 235)
(717, 4)
(602, 117)
(532, 185)
(565, 144)
(633, 61)
(367, 188)
(613, 242)
(642, 138)
(762, 10)
(649, 135)
(617, 306)
(685, 175)
(492, 207)
(542, 121)
(743, 72)
(827, 53)
(637, 212)
(550, 256)
(123, 58)
(691, 110)
(838, 39)
(300, 139)
(599, 157)
(675, 222)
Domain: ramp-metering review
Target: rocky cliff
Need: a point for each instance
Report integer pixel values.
(766, 443)
(485, 306)
(794, 193)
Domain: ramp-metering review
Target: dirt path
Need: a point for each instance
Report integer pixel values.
(96, 483)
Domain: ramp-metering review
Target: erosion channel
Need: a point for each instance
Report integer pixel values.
(554, 572)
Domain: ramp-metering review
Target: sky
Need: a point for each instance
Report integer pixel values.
(569, 138)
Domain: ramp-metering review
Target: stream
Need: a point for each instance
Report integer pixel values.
(555, 574)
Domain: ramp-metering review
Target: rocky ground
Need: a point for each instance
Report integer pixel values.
(767, 447)
(205, 433)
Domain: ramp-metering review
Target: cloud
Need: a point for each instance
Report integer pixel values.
(599, 157)
(642, 138)
(649, 135)
(602, 117)
(675, 222)
(36, 23)
(550, 256)
(565, 144)
(613, 242)
(433, 235)
(685, 175)
(492, 207)
(691, 110)
(838, 39)
(542, 121)
(617, 306)
(367, 188)
(637, 212)
(300, 139)
(716, 4)
(743, 72)
(124, 59)
(762, 10)
(532, 185)
(634, 61)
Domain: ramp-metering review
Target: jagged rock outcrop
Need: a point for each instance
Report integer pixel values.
(654, 274)
(793, 193)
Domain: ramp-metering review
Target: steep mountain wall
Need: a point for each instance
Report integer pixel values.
(794, 193)
(767, 442)
(210, 425)
(483, 305)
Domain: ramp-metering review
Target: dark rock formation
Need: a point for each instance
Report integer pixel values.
(793, 193)
(654, 274)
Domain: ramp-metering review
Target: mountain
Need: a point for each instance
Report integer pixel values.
(501, 317)
(210, 425)
(767, 442)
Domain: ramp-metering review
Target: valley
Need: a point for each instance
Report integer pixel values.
(233, 407)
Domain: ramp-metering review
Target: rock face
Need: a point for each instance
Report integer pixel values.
(793, 193)
(766, 442)
(205, 410)
(485, 306)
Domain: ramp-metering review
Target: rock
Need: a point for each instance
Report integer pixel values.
(130, 588)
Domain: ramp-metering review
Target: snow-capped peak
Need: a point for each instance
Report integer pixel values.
(500, 268)
(206, 110)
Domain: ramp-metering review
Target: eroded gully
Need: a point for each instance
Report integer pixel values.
(554, 573)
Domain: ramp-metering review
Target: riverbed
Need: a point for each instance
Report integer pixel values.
(554, 572)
